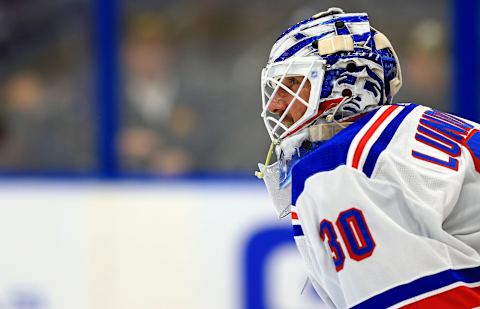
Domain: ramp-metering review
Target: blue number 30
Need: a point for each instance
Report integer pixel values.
(355, 234)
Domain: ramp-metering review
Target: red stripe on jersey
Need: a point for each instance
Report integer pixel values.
(369, 133)
(294, 215)
(459, 297)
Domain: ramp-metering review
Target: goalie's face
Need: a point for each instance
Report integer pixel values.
(283, 99)
(290, 92)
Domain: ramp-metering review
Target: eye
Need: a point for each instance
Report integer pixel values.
(289, 82)
(292, 81)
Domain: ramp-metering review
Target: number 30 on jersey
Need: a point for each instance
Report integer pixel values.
(355, 234)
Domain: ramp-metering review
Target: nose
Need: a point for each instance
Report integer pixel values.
(278, 104)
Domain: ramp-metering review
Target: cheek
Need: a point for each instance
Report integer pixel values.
(305, 93)
(297, 111)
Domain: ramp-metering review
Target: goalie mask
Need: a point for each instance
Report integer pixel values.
(328, 68)
(339, 59)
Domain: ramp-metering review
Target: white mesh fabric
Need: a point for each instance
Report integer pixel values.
(418, 184)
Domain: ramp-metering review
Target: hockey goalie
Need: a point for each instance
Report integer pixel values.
(384, 198)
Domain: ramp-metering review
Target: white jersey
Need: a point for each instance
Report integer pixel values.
(387, 212)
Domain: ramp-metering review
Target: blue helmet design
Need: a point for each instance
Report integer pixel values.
(343, 59)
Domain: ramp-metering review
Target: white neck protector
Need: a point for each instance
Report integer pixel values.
(282, 195)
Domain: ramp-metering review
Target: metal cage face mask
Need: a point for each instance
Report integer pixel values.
(273, 81)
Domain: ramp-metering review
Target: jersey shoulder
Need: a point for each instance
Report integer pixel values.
(359, 146)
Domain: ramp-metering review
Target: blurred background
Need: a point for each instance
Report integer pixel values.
(129, 131)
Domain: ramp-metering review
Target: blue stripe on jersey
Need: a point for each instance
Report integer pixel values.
(382, 142)
(327, 157)
(474, 144)
(420, 286)
(297, 230)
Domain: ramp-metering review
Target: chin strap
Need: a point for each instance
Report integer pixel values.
(261, 174)
(325, 131)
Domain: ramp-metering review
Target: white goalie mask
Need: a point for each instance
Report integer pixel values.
(336, 58)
